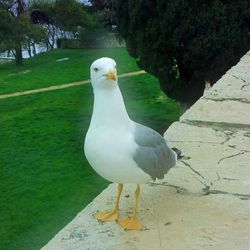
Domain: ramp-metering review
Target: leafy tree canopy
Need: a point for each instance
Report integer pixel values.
(16, 29)
(70, 14)
(67, 15)
(185, 43)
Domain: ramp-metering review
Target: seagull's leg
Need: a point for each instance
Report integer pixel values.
(111, 215)
(132, 223)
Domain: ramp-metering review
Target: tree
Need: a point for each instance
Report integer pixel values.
(16, 30)
(42, 13)
(70, 14)
(103, 12)
(60, 18)
(185, 43)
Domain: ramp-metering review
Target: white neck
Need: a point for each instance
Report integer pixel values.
(109, 109)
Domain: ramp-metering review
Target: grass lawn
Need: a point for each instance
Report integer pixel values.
(43, 70)
(45, 179)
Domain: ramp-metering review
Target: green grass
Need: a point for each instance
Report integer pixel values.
(45, 179)
(43, 70)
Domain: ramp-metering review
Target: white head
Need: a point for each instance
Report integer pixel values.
(103, 73)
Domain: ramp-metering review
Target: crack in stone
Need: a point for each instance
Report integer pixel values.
(239, 78)
(221, 99)
(243, 80)
(234, 155)
(243, 86)
(241, 196)
(226, 140)
(196, 172)
(216, 125)
(230, 179)
(228, 134)
(206, 187)
(205, 191)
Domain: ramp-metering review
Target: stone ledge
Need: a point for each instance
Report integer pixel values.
(204, 202)
(171, 220)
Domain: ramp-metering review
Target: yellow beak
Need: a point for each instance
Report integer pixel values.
(111, 75)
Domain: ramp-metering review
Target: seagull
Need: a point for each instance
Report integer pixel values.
(119, 149)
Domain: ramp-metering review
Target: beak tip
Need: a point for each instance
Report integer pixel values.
(111, 75)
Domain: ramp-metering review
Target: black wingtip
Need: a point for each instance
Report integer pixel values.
(178, 152)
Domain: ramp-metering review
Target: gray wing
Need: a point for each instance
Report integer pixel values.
(153, 155)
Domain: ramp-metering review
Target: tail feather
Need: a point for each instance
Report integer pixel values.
(178, 153)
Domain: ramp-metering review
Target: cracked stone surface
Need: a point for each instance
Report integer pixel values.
(204, 202)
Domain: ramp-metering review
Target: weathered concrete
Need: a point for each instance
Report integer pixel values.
(204, 202)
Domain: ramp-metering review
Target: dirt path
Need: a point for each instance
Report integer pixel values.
(62, 86)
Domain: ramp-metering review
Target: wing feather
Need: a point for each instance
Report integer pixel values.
(153, 155)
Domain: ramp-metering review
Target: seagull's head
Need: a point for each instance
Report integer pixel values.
(103, 73)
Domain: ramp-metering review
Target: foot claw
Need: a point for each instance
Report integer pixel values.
(130, 223)
(107, 216)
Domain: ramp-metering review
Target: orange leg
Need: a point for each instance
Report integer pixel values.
(132, 223)
(111, 215)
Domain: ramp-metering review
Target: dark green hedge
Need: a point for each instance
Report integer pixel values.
(185, 43)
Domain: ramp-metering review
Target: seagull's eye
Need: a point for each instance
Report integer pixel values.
(96, 69)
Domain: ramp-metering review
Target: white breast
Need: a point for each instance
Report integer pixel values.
(110, 153)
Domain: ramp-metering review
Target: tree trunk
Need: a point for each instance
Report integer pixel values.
(18, 50)
(34, 49)
(20, 7)
(28, 48)
(19, 56)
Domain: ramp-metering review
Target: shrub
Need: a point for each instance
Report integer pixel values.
(185, 43)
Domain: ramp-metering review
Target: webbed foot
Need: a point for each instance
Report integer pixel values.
(130, 223)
